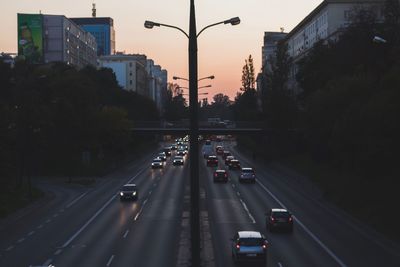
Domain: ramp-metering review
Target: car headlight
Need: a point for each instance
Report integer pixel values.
(121, 194)
(152, 164)
(134, 193)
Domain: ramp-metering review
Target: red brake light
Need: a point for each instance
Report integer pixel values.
(215, 175)
(272, 218)
(226, 175)
(264, 246)
(237, 246)
(290, 219)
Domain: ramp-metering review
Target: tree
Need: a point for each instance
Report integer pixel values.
(279, 107)
(248, 76)
(221, 100)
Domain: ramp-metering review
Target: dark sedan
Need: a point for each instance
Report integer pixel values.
(279, 219)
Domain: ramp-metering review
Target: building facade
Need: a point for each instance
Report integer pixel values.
(325, 22)
(54, 38)
(129, 70)
(138, 74)
(103, 30)
(271, 40)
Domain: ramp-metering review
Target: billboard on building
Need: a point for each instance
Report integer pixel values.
(30, 37)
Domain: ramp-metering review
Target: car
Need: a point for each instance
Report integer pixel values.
(212, 161)
(181, 152)
(162, 156)
(234, 164)
(129, 191)
(249, 246)
(247, 175)
(174, 147)
(228, 159)
(167, 151)
(178, 160)
(220, 176)
(279, 219)
(225, 154)
(208, 142)
(219, 150)
(157, 163)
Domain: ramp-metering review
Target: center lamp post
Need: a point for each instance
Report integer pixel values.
(194, 126)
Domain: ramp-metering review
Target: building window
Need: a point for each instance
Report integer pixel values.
(130, 64)
(130, 82)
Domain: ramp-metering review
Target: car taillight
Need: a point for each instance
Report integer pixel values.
(290, 219)
(226, 175)
(272, 219)
(215, 175)
(237, 246)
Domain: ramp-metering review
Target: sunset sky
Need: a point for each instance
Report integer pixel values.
(222, 49)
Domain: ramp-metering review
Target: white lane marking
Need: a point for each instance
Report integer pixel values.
(233, 185)
(58, 252)
(62, 210)
(140, 211)
(47, 263)
(154, 185)
(237, 193)
(9, 248)
(110, 260)
(151, 191)
(126, 233)
(76, 200)
(31, 233)
(48, 220)
(97, 213)
(88, 222)
(40, 226)
(21, 240)
(55, 215)
(280, 264)
(247, 210)
(316, 239)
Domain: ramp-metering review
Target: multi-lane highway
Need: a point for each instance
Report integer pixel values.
(80, 226)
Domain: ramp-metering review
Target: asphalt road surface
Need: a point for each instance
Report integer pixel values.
(79, 226)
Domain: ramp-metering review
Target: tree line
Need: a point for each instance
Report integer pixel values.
(347, 114)
(57, 120)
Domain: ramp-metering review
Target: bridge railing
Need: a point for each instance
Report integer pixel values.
(202, 124)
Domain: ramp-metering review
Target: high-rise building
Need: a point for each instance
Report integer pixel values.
(325, 22)
(103, 30)
(271, 40)
(54, 38)
(138, 74)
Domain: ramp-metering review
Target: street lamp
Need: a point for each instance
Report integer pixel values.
(197, 94)
(201, 87)
(180, 78)
(194, 125)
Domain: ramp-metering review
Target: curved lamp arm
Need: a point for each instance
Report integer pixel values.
(232, 21)
(150, 24)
